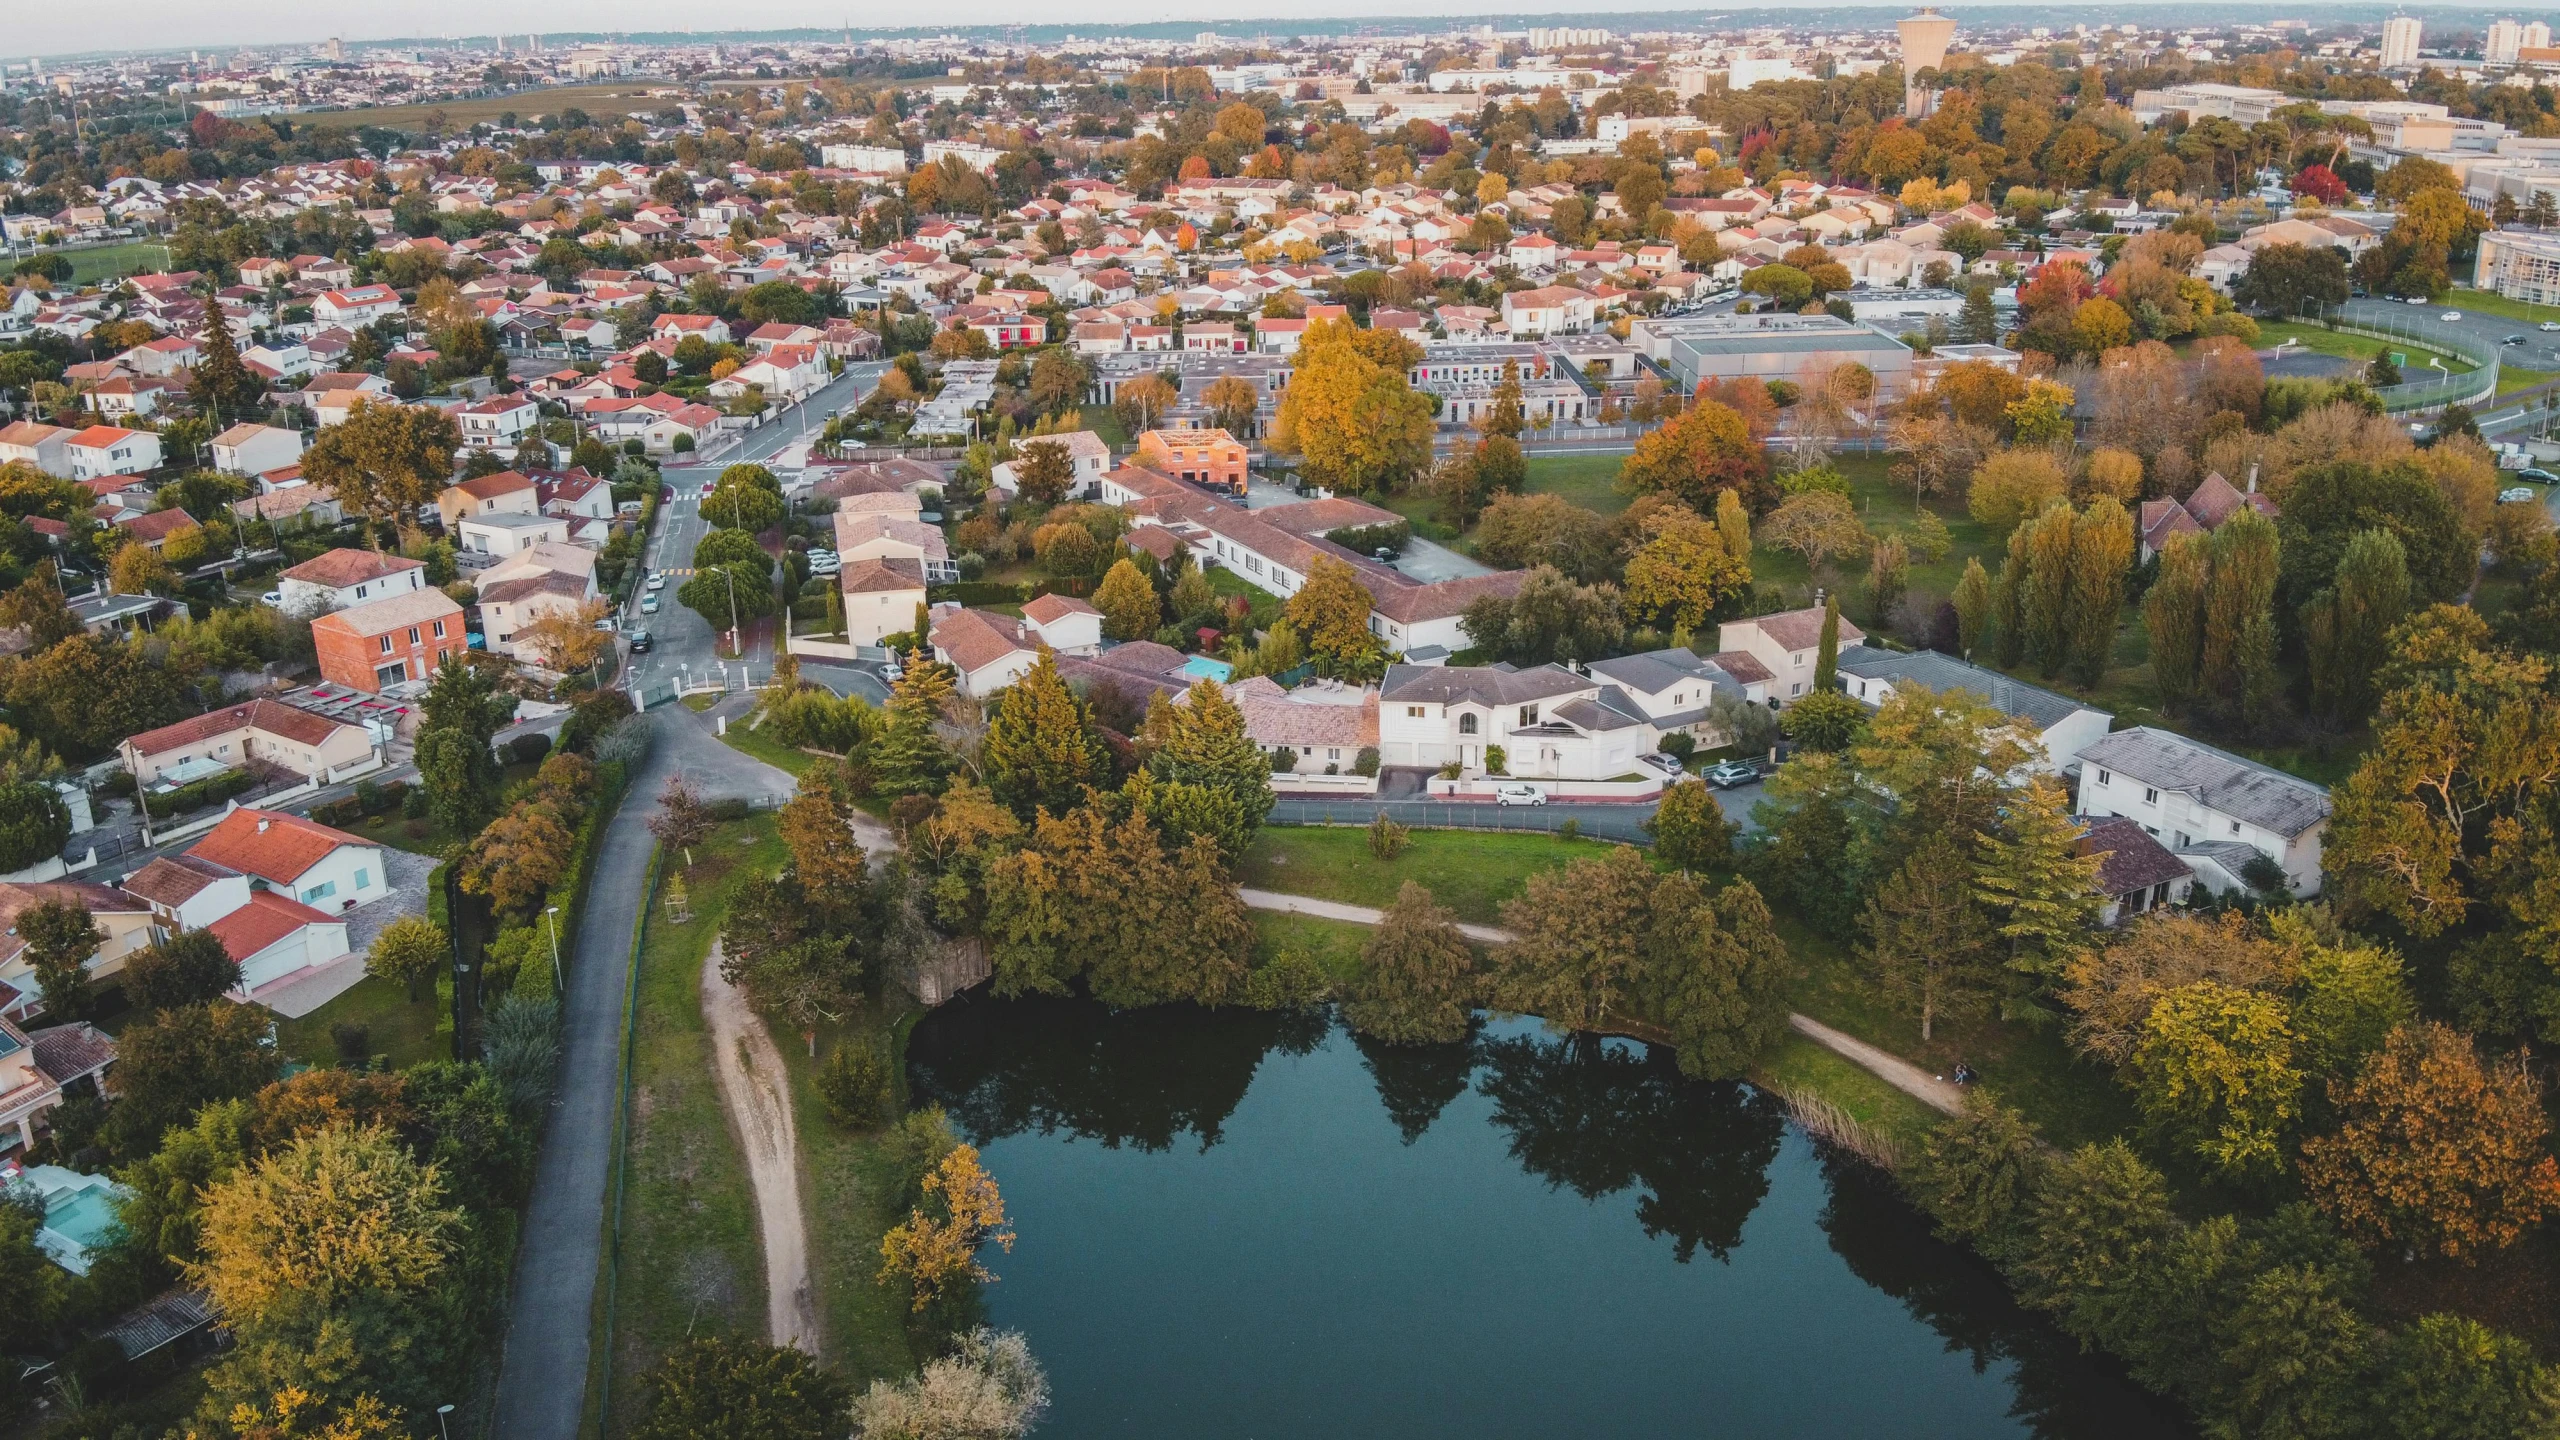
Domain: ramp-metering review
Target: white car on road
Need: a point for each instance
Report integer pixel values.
(657, 582)
(648, 604)
(1519, 795)
(2450, 316)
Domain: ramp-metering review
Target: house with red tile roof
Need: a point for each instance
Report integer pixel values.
(989, 651)
(154, 528)
(109, 450)
(125, 918)
(346, 577)
(277, 942)
(269, 731)
(300, 859)
(505, 493)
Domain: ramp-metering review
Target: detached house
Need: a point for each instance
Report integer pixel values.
(299, 859)
(988, 651)
(880, 597)
(343, 578)
(251, 449)
(2211, 808)
(125, 918)
(1548, 722)
(1784, 645)
(361, 305)
(389, 642)
(498, 424)
(2061, 726)
(505, 493)
(312, 746)
(104, 450)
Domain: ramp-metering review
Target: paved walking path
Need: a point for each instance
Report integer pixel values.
(755, 1090)
(1901, 1074)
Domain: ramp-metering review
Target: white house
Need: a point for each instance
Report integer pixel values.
(2198, 800)
(1088, 459)
(880, 597)
(498, 424)
(342, 578)
(276, 940)
(987, 650)
(359, 305)
(1066, 625)
(2062, 726)
(32, 442)
(504, 534)
(1672, 688)
(1316, 729)
(1548, 722)
(308, 744)
(186, 893)
(252, 449)
(104, 450)
(2135, 872)
(1785, 644)
(306, 861)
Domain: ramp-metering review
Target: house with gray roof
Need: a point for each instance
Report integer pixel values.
(1549, 722)
(2062, 726)
(2189, 795)
(1674, 687)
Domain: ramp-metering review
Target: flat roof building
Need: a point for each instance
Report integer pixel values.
(1699, 348)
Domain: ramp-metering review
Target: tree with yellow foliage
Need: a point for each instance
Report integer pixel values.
(297, 1414)
(1350, 412)
(1684, 570)
(566, 639)
(936, 1247)
(1332, 611)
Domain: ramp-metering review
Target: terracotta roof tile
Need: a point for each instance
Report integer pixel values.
(271, 844)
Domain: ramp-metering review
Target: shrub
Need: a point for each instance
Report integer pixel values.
(1496, 760)
(1387, 839)
(34, 825)
(723, 811)
(1680, 744)
(858, 1085)
(1290, 980)
(1366, 766)
(529, 749)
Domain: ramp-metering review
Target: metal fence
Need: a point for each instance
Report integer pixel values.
(2438, 390)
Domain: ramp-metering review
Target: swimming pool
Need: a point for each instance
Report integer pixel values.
(79, 1214)
(1201, 667)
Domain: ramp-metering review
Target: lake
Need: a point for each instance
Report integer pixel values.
(1246, 1225)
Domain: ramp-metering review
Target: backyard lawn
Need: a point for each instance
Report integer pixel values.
(1590, 481)
(1471, 872)
(402, 1031)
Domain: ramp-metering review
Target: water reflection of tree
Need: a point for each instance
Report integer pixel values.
(1123, 1077)
(2061, 1392)
(1417, 1082)
(1598, 1117)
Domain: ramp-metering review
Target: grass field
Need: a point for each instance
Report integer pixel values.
(846, 1184)
(1590, 481)
(402, 1030)
(688, 1215)
(2485, 303)
(1470, 872)
(108, 262)
(602, 102)
(1333, 944)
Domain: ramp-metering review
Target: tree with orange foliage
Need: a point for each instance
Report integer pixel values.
(936, 1247)
(1692, 457)
(2436, 1149)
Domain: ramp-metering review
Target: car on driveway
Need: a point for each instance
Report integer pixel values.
(2513, 340)
(273, 599)
(824, 562)
(1519, 795)
(1729, 773)
(642, 642)
(2518, 495)
(2538, 475)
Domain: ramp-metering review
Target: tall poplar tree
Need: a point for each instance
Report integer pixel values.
(2173, 617)
(2347, 627)
(1972, 600)
(1826, 655)
(2237, 669)
(2101, 554)
(2009, 603)
(2047, 607)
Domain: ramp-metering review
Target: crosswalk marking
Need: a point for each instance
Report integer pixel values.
(677, 570)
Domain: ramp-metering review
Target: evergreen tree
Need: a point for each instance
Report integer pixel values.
(1200, 744)
(1715, 975)
(2094, 1238)
(59, 938)
(2347, 627)
(220, 384)
(1042, 750)
(1826, 654)
(1976, 1173)
(1978, 323)
(1417, 977)
(1926, 936)
(2173, 617)
(2101, 555)
(461, 714)
(1809, 859)
(910, 756)
(1972, 600)
(2237, 661)
(2042, 892)
(1128, 603)
(2047, 606)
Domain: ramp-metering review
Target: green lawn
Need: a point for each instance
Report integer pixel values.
(107, 262)
(845, 1190)
(1266, 606)
(2484, 303)
(1104, 421)
(2323, 341)
(1797, 1066)
(1783, 579)
(401, 1030)
(1590, 481)
(1471, 872)
(772, 752)
(1334, 944)
(690, 1263)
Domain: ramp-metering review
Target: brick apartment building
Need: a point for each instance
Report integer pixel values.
(388, 641)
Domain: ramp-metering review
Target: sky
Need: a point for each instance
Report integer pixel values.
(57, 29)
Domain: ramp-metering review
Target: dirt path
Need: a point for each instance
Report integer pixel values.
(756, 1091)
(1901, 1074)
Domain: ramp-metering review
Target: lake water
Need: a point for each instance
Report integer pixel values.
(1244, 1225)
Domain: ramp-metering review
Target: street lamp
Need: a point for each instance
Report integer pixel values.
(441, 1412)
(558, 984)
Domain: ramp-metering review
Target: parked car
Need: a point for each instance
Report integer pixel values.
(2538, 475)
(2450, 316)
(648, 604)
(2417, 300)
(273, 599)
(1519, 795)
(657, 582)
(2517, 495)
(2548, 325)
(666, 494)
(642, 642)
(824, 562)
(1729, 773)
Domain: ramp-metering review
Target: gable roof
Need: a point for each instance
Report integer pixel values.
(380, 617)
(2218, 779)
(340, 568)
(173, 880)
(2130, 859)
(266, 919)
(976, 639)
(2042, 708)
(1478, 684)
(1802, 629)
(1051, 608)
(271, 844)
(299, 726)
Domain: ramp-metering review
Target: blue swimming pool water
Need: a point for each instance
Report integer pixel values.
(1201, 667)
(83, 1215)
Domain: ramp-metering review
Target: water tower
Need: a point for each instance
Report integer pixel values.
(1924, 47)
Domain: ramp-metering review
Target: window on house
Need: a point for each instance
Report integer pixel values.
(363, 878)
(2104, 777)
(1413, 712)
(413, 634)
(1528, 716)
(2235, 827)
(2150, 796)
(386, 644)
(321, 891)
(439, 629)
(1466, 724)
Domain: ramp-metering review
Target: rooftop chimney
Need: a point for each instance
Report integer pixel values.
(263, 823)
